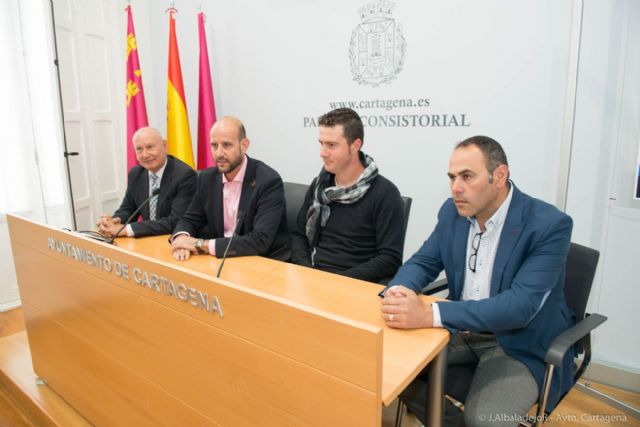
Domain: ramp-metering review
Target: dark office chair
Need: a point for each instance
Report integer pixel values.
(294, 196)
(406, 204)
(580, 271)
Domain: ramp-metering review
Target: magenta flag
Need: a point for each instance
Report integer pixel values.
(136, 108)
(206, 106)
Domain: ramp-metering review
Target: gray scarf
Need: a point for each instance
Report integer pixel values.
(319, 211)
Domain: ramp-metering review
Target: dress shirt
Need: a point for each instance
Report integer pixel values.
(159, 173)
(477, 285)
(231, 191)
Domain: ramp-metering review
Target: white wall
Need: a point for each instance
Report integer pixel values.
(503, 65)
(605, 149)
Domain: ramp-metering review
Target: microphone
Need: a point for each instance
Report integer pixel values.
(226, 249)
(136, 212)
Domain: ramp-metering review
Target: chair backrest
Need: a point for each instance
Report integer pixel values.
(406, 201)
(581, 269)
(294, 196)
(406, 205)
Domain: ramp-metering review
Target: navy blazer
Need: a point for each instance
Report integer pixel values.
(263, 228)
(526, 309)
(176, 190)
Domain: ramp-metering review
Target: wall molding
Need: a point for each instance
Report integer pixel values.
(613, 376)
(10, 305)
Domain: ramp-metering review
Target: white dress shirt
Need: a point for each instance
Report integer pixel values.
(159, 173)
(477, 285)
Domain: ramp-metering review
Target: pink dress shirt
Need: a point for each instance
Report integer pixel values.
(231, 191)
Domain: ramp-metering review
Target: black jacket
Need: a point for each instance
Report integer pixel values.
(176, 190)
(263, 228)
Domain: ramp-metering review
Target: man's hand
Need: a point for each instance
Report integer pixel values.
(183, 246)
(402, 308)
(108, 226)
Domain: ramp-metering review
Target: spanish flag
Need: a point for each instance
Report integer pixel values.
(178, 134)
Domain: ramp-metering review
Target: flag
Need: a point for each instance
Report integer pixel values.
(206, 106)
(178, 134)
(136, 108)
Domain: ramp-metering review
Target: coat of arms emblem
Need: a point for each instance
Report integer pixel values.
(377, 45)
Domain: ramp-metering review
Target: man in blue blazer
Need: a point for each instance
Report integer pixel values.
(175, 179)
(240, 196)
(504, 255)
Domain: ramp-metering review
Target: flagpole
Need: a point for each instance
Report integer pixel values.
(66, 153)
(178, 132)
(206, 104)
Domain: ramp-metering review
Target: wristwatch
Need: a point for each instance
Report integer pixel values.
(198, 245)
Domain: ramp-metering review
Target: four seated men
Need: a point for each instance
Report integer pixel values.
(503, 252)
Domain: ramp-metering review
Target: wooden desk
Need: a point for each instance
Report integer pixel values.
(311, 340)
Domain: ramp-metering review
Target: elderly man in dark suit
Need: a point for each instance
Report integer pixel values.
(175, 180)
(240, 196)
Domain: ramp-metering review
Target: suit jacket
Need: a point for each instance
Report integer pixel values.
(263, 227)
(176, 190)
(526, 309)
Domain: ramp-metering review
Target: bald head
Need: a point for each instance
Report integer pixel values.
(229, 124)
(151, 149)
(147, 133)
(229, 143)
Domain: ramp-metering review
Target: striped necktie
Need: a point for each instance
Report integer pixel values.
(153, 203)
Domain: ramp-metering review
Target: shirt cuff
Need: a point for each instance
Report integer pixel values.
(437, 321)
(179, 233)
(129, 231)
(212, 247)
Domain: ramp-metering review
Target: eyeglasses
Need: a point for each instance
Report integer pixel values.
(475, 245)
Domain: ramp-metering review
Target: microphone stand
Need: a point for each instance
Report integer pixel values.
(226, 249)
(136, 212)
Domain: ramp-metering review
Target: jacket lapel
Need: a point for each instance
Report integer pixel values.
(248, 185)
(143, 193)
(508, 238)
(216, 209)
(165, 182)
(461, 233)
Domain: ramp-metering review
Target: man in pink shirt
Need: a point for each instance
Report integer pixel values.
(240, 196)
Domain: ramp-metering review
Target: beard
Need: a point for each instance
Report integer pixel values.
(229, 166)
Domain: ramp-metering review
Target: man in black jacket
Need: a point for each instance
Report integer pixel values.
(240, 196)
(352, 218)
(175, 179)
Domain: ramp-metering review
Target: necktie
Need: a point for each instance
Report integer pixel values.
(153, 203)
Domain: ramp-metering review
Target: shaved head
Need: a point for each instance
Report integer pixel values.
(228, 123)
(229, 143)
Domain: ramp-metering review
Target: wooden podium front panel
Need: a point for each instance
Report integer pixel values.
(122, 352)
(405, 352)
